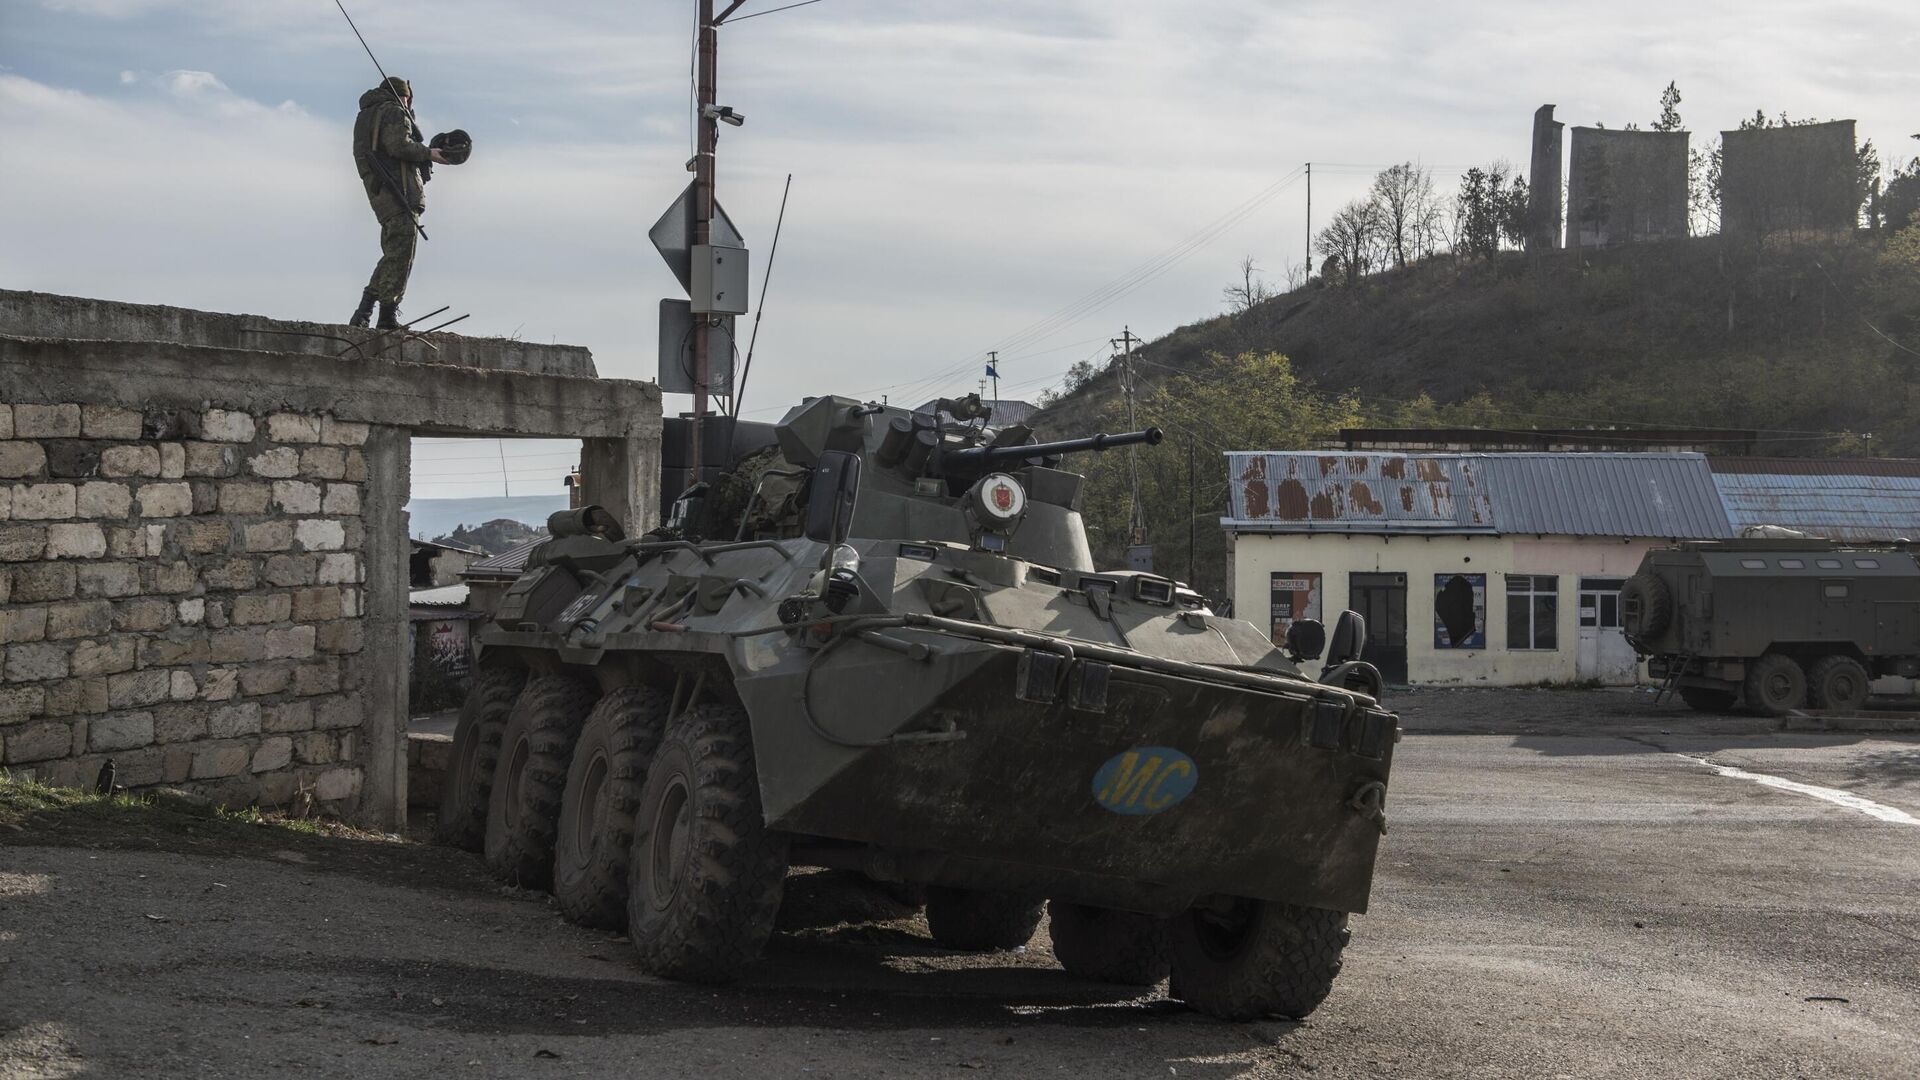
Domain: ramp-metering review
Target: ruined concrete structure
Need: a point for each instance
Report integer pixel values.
(1545, 212)
(1626, 187)
(1801, 177)
(203, 551)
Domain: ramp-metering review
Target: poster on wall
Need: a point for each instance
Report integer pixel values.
(1459, 611)
(447, 638)
(1295, 596)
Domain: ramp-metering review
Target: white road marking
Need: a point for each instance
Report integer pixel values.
(1832, 795)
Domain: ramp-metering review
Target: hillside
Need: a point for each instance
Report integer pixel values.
(427, 518)
(1814, 345)
(1694, 332)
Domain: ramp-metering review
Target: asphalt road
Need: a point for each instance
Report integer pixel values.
(1545, 906)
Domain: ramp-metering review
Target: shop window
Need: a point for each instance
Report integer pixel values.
(1533, 610)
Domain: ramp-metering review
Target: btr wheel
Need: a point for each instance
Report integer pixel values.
(1111, 946)
(974, 920)
(705, 873)
(1257, 958)
(1838, 682)
(596, 813)
(476, 751)
(1775, 684)
(1703, 699)
(523, 810)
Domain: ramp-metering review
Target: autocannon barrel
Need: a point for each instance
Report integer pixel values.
(982, 458)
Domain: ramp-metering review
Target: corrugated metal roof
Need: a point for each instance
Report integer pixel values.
(1653, 495)
(1333, 491)
(442, 596)
(1859, 507)
(508, 563)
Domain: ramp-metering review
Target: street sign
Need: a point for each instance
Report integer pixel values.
(676, 350)
(672, 236)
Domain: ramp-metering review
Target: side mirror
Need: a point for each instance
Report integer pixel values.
(1349, 639)
(831, 495)
(1306, 640)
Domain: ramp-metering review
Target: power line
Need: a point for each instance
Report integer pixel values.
(1140, 275)
(769, 11)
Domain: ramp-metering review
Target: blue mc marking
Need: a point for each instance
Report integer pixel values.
(1145, 780)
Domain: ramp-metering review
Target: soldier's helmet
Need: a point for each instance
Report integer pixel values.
(455, 145)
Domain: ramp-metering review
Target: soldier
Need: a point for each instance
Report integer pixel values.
(394, 167)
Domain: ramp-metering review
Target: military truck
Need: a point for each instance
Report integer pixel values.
(881, 646)
(1774, 624)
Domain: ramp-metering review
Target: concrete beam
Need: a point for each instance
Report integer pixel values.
(383, 801)
(428, 399)
(33, 314)
(623, 476)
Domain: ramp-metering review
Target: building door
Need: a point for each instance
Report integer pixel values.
(1382, 600)
(1602, 651)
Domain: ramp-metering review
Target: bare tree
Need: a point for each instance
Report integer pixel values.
(1351, 241)
(1251, 289)
(1409, 212)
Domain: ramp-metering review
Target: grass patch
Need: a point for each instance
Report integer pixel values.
(41, 814)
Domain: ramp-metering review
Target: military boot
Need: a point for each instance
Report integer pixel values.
(389, 310)
(364, 312)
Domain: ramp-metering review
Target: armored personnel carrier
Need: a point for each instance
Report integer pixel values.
(881, 646)
(1774, 624)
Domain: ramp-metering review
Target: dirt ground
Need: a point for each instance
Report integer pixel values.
(1567, 903)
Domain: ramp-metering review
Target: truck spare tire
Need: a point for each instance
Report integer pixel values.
(1646, 609)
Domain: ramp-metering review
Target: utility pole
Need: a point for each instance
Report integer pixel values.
(703, 203)
(1309, 241)
(1137, 530)
(993, 368)
(1192, 510)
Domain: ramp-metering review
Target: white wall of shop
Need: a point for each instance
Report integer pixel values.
(1427, 561)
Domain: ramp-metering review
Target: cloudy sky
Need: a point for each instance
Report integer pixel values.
(967, 174)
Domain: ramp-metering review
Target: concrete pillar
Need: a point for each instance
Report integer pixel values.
(623, 475)
(1545, 211)
(383, 802)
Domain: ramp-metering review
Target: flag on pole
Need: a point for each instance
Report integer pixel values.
(991, 374)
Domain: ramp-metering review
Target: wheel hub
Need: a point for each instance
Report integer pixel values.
(672, 832)
(516, 773)
(593, 798)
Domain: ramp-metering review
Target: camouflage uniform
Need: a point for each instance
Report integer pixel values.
(388, 152)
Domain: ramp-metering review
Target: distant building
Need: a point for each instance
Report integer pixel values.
(488, 579)
(1626, 187)
(431, 564)
(1481, 569)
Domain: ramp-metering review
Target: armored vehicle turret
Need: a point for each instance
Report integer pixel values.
(881, 645)
(1774, 624)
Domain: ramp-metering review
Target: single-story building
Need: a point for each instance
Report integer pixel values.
(1486, 569)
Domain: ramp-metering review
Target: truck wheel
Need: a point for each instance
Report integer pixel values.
(705, 873)
(596, 814)
(523, 811)
(1837, 682)
(1111, 946)
(1258, 958)
(476, 751)
(974, 920)
(1775, 684)
(1646, 607)
(1708, 700)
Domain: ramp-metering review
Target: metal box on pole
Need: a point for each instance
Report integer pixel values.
(719, 285)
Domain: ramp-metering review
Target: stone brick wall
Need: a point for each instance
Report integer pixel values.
(182, 591)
